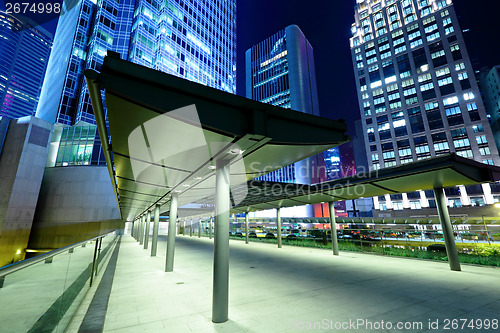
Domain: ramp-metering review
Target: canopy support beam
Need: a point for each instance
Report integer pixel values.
(154, 242)
(169, 265)
(221, 244)
(449, 239)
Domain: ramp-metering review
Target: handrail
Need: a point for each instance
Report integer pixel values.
(14, 267)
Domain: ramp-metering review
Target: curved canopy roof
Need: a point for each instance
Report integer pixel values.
(166, 134)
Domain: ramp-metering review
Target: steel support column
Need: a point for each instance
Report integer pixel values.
(333, 228)
(199, 228)
(141, 230)
(210, 228)
(449, 239)
(154, 241)
(146, 230)
(246, 228)
(169, 265)
(221, 244)
(278, 225)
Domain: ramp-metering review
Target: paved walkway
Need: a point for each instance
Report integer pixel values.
(288, 289)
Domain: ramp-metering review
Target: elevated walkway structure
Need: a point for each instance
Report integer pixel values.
(184, 148)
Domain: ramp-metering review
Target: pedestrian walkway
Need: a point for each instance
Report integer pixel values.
(293, 288)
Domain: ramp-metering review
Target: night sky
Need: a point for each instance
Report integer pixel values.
(326, 24)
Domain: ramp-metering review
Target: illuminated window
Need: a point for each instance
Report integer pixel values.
(400, 49)
(484, 151)
(415, 204)
(397, 205)
(453, 111)
(411, 91)
(463, 76)
(442, 71)
(450, 100)
(481, 139)
(393, 96)
(478, 128)
(441, 146)
(471, 106)
(424, 77)
(445, 81)
(461, 143)
(392, 87)
(407, 83)
(388, 155)
(427, 86)
(469, 96)
(465, 153)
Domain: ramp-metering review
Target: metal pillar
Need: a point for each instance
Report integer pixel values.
(246, 228)
(169, 265)
(333, 228)
(134, 226)
(146, 232)
(221, 244)
(278, 224)
(136, 229)
(191, 229)
(154, 241)
(449, 239)
(210, 228)
(199, 228)
(141, 230)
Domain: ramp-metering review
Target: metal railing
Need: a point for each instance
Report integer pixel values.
(44, 292)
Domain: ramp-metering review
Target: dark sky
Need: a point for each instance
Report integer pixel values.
(327, 23)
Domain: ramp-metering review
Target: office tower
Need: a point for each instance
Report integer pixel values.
(195, 40)
(25, 50)
(417, 94)
(280, 71)
(489, 81)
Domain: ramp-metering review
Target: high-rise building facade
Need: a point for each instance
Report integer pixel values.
(195, 40)
(280, 71)
(489, 81)
(24, 53)
(417, 93)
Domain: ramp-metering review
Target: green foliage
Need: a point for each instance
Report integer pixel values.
(477, 253)
(488, 250)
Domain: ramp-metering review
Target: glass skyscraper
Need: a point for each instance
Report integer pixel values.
(417, 94)
(280, 71)
(195, 40)
(24, 53)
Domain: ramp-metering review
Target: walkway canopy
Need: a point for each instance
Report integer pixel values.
(195, 147)
(167, 134)
(438, 172)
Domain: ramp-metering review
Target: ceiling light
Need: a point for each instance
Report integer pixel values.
(236, 151)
